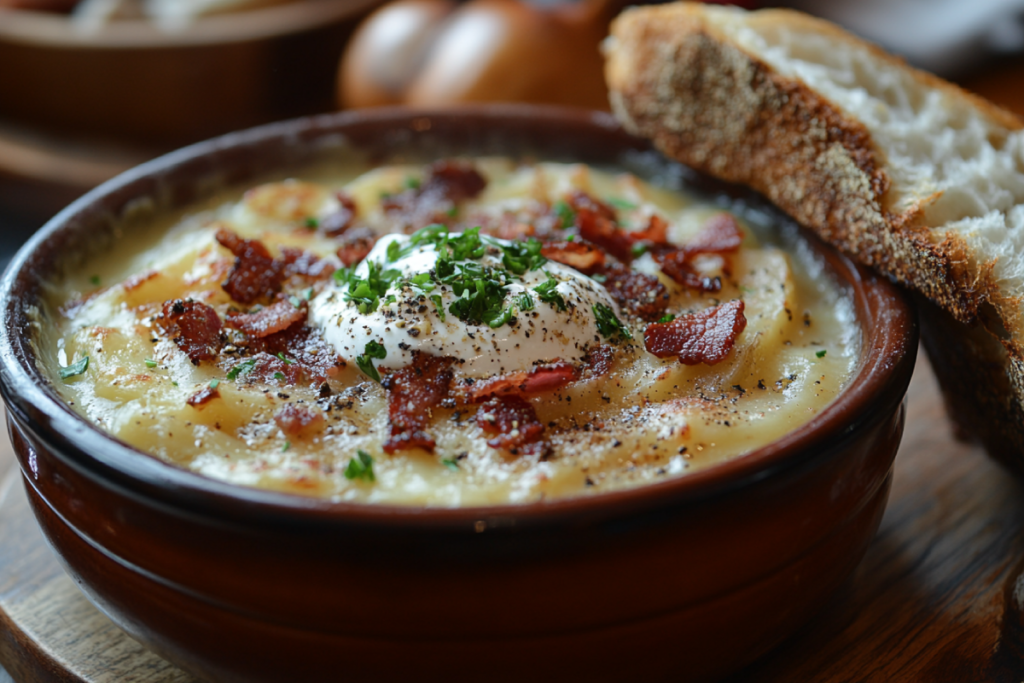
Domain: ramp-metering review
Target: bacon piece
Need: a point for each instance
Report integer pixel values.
(275, 318)
(256, 274)
(413, 392)
(336, 223)
(656, 231)
(513, 421)
(356, 247)
(202, 397)
(509, 225)
(448, 182)
(539, 379)
(582, 256)
(596, 221)
(599, 359)
(719, 235)
(642, 295)
(296, 420)
(703, 337)
(194, 327)
(308, 358)
(304, 266)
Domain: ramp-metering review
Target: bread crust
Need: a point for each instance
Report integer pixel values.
(704, 100)
(678, 79)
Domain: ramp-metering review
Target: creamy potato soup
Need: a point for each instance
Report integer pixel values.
(459, 333)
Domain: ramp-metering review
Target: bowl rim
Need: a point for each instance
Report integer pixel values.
(56, 31)
(878, 386)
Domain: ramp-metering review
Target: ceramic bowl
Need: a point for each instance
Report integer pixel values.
(685, 579)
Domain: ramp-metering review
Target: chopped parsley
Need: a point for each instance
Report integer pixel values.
(286, 446)
(421, 281)
(214, 383)
(95, 279)
(76, 368)
(150, 363)
(243, 368)
(566, 216)
(608, 324)
(412, 183)
(821, 354)
(280, 354)
(599, 277)
(367, 292)
(295, 301)
(360, 467)
(450, 463)
(365, 362)
(279, 375)
(519, 257)
(436, 298)
(311, 222)
(667, 318)
(525, 302)
(638, 249)
(548, 294)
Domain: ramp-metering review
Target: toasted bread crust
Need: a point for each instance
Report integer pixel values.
(705, 101)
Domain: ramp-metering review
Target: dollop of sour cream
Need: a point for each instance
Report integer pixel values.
(412, 317)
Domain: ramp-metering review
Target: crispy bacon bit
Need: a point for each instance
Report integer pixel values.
(703, 337)
(202, 397)
(582, 256)
(656, 231)
(304, 266)
(514, 422)
(297, 420)
(137, 280)
(413, 392)
(256, 274)
(599, 359)
(355, 247)
(596, 221)
(336, 223)
(295, 355)
(269, 320)
(448, 183)
(539, 379)
(509, 225)
(194, 327)
(642, 295)
(719, 235)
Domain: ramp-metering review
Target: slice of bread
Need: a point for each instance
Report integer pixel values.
(906, 172)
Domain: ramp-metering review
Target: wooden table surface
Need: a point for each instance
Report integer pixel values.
(933, 599)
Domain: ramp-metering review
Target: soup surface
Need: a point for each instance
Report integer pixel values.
(460, 333)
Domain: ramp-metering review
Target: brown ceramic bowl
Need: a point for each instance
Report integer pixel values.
(685, 579)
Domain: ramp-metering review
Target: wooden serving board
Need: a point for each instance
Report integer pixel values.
(930, 602)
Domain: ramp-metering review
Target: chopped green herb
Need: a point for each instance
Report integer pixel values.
(599, 277)
(638, 249)
(343, 276)
(525, 302)
(566, 216)
(295, 301)
(519, 257)
(307, 294)
(481, 291)
(360, 467)
(412, 183)
(621, 203)
(451, 463)
(243, 368)
(278, 375)
(311, 222)
(608, 324)
(286, 446)
(150, 363)
(280, 354)
(548, 294)
(394, 251)
(366, 292)
(436, 298)
(174, 383)
(570, 238)
(76, 368)
(453, 212)
(214, 383)
(667, 318)
(95, 279)
(421, 281)
(370, 351)
(821, 354)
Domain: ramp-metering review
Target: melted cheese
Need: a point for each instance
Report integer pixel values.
(647, 419)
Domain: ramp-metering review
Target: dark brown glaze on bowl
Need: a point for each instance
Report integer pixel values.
(685, 579)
